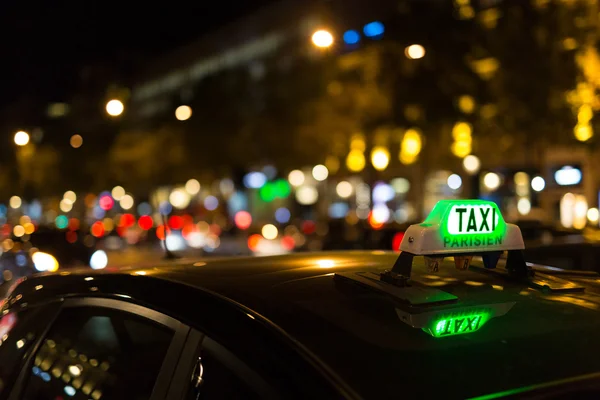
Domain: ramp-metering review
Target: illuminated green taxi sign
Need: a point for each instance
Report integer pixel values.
(462, 226)
(457, 321)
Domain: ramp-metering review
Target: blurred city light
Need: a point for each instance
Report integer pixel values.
(15, 202)
(491, 181)
(44, 262)
(320, 172)
(567, 176)
(355, 162)
(117, 192)
(76, 141)
(114, 108)
(269, 231)
(322, 38)
(351, 37)
(21, 138)
(307, 195)
(466, 104)
(382, 192)
(179, 198)
(400, 185)
(380, 158)
(65, 205)
(454, 182)
(471, 164)
(70, 196)
(282, 215)
(593, 215)
(183, 113)
(192, 186)
(414, 52)
(538, 183)
(126, 202)
(211, 203)
(99, 260)
(296, 177)
(410, 146)
(373, 29)
(524, 206)
(255, 180)
(243, 219)
(344, 189)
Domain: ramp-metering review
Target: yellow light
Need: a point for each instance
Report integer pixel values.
(466, 104)
(126, 202)
(585, 114)
(70, 196)
(461, 149)
(320, 172)
(179, 198)
(461, 130)
(344, 189)
(325, 263)
(76, 141)
(29, 228)
(192, 186)
(471, 164)
(380, 158)
(24, 220)
(114, 108)
(65, 205)
(296, 177)
(357, 142)
(183, 113)
(593, 215)
(117, 192)
(322, 38)
(18, 230)
(522, 179)
(15, 202)
(355, 161)
(580, 212)
(491, 180)
(108, 224)
(333, 164)
(21, 138)
(269, 231)
(583, 133)
(410, 146)
(414, 51)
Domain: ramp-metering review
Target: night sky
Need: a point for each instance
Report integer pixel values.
(45, 42)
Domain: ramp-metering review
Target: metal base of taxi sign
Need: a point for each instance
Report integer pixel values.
(460, 228)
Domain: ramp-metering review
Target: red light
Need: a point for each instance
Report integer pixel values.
(97, 229)
(175, 222)
(187, 229)
(71, 237)
(160, 232)
(145, 222)
(253, 241)
(374, 224)
(215, 229)
(73, 224)
(187, 219)
(308, 227)
(127, 220)
(397, 240)
(106, 202)
(6, 230)
(243, 220)
(288, 243)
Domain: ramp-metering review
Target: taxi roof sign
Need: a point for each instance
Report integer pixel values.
(462, 226)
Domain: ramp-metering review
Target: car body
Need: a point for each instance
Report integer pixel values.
(291, 327)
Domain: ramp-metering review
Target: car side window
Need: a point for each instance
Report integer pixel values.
(223, 376)
(98, 353)
(18, 333)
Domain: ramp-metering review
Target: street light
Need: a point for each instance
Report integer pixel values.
(114, 108)
(414, 52)
(21, 138)
(322, 38)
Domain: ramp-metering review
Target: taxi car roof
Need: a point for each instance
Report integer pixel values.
(298, 293)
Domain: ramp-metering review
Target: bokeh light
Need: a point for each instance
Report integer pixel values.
(76, 141)
(415, 51)
(380, 158)
(183, 113)
(117, 192)
(243, 220)
(15, 202)
(491, 181)
(21, 138)
(538, 183)
(322, 38)
(471, 164)
(296, 177)
(126, 202)
(320, 172)
(269, 231)
(114, 108)
(192, 186)
(344, 189)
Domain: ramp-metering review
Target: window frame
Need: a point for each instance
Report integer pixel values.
(174, 352)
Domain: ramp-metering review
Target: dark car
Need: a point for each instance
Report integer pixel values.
(299, 326)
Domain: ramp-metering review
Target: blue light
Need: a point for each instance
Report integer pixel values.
(45, 376)
(237, 202)
(351, 37)
(338, 210)
(211, 203)
(36, 370)
(255, 180)
(373, 29)
(165, 208)
(21, 259)
(144, 209)
(2, 209)
(282, 215)
(98, 212)
(70, 391)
